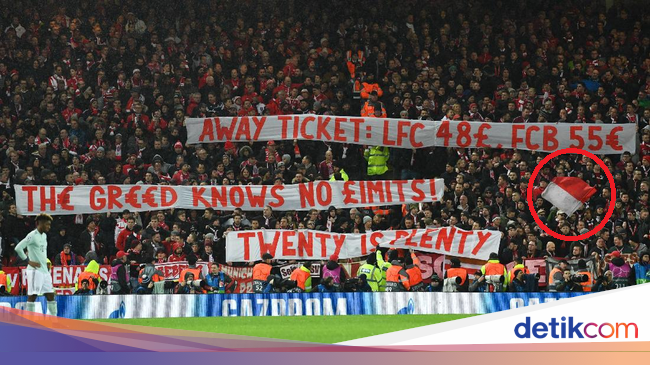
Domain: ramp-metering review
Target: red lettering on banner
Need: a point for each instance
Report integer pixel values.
(246, 236)
(401, 134)
(400, 189)
(208, 130)
(30, 196)
(306, 191)
(398, 236)
(275, 194)
(426, 239)
(375, 187)
(550, 143)
(303, 128)
(432, 189)
(259, 125)
(322, 238)
(324, 193)
(385, 141)
(64, 198)
(305, 244)
(529, 138)
(164, 202)
(95, 202)
(265, 247)
(375, 238)
(284, 119)
(446, 238)
(287, 243)
(148, 198)
(443, 132)
(236, 197)
(481, 136)
(244, 129)
(114, 193)
(219, 196)
(419, 193)
(414, 130)
(339, 133)
(357, 127)
(409, 239)
(362, 189)
(197, 196)
(515, 138)
(48, 199)
(348, 193)
(321, 131)
(463, 238)
(256, 200)
(225, 133)
(364, 250)
(131, 197)
(389, 193)
(339, 239)
(482, 238)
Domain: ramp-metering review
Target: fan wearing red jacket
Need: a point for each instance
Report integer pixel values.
(120, 243)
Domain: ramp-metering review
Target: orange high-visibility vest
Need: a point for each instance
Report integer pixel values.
(457, 271)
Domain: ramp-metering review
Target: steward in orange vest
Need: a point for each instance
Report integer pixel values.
(397, 279)
(197, 272)
(369, 85)
(556, 275)
(302, 277)
(414, 274)
(261, 273)
(495, 268)
(456, 271)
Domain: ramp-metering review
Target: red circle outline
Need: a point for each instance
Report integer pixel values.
(529, 194)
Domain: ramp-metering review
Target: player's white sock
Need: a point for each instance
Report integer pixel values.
(30, 307)
(52, 308)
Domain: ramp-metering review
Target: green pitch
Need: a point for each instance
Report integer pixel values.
(322, 329)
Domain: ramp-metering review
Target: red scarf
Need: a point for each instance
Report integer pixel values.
(65, 258)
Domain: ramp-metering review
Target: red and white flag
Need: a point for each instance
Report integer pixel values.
(568, 193)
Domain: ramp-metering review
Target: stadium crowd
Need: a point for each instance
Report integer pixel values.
(96, 92)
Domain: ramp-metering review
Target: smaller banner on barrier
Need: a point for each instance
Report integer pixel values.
(286, 270)
(91, 199)
(242, 275)
(317, 245)
(172, 270)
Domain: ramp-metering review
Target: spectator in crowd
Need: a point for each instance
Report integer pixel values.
(66, 257)
(120, 282)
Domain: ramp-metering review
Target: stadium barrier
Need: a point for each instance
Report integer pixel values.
(286, 304)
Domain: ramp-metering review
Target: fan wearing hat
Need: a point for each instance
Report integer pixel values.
(119, 279)
(66, 257)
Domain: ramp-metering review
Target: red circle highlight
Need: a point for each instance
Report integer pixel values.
(610, 178)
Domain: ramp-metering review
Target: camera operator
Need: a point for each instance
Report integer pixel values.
(569, 282)
(604, 282)
(518, 284)
(582, 270)
(188, 285)
(358, 284)
(555, 276)
(436, 283)
(462, 283)
(479, 285)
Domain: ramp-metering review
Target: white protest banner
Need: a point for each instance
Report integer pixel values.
(318, 245)
(401, 133)
(90, 199)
